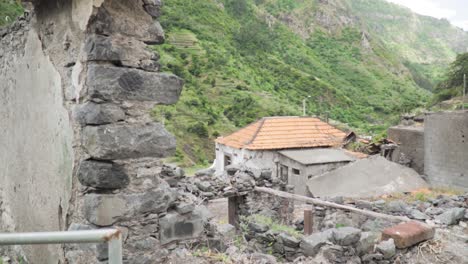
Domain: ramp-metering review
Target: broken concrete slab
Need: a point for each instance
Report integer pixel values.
(369, 177)
(408, 234)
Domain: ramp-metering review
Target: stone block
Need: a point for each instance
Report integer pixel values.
(408, 233)
(127, 18)
(153, 201)
(110, 83)
(103, 175)
(104, 209)
(124, 141)
(174, 226)
(386, 248)
(366, 242)
(97, 114)
(451, 216)
(311, 245)
(346, 236)
(126, 51)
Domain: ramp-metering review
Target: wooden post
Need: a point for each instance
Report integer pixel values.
(233, 211)
(308, 222)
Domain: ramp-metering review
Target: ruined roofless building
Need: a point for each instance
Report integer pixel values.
(78, 147)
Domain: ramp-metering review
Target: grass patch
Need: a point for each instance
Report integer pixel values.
(423, 195)
(273, 225)
(205, 252)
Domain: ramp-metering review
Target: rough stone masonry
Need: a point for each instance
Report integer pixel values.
(78, 147)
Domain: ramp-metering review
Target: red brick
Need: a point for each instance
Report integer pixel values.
(408, 234)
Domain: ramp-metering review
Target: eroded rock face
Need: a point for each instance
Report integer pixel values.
(123, 141)
(109, 83)
(103, 175)
(98, 114)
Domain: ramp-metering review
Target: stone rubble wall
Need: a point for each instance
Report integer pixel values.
(81, 151)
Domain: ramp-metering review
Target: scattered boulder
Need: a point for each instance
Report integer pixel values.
(416, 214)
(174, 226)
(451, 216)
(387, 248)
(289, 241)
(311, 245)
(366, 242)
(346, 236)
(257, 227)
(259, 258)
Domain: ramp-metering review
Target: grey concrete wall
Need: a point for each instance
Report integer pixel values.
(36, 156)
(446, 151)
(410, 140)
(306, 172)
(251, 159)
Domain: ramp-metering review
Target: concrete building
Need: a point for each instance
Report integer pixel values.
(437, 148)
(295, 148)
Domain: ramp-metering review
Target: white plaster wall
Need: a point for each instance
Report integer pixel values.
(36, 157)
(251, 159)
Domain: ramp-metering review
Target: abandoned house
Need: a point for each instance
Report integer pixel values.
(294, 148)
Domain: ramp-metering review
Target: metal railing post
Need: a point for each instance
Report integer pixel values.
(115, 250)
(111, 236)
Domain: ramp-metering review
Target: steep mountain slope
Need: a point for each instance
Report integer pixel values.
(245, 59)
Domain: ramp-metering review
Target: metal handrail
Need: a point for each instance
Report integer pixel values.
(111, 236)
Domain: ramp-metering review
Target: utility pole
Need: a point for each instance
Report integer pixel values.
(304, 105)
(464, 91)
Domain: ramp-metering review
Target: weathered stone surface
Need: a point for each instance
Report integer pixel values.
(106, 209)
(289, 241)
(416, 214)
(310, 245)
(226, 230)
(408, 234)
(184, 208)
(175, 226)
(98, 114)
(127, 18)
(387, 248)
(103, 209)
(258, 227)
(366, 242)
(110, 83)
(103, 175)
(121, 141)
(346, 236)
(262, 258)
(204, 186)
(152, 201)
(128, 52)
(451, 216)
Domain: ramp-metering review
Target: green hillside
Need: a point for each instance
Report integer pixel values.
(9, 10)
(243, 60)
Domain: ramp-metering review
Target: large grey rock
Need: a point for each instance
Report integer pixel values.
(397, 206)
(366, 242)
(289, 240)
(258, 227)
(114, 17)
(107, 209)
(311, 245)
(122, 141)
(175, 226)
(346, 236)
(451, 216)
(387, 248)
(104, 209)
(416, 214)
(128, 52)
(260, 258)
(98, 114)
(110, 83)
(103, 175)
(204, 186)
(226, 230)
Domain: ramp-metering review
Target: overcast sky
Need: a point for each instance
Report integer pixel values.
(454, 10)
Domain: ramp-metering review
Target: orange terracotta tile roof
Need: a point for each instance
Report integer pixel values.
(285, 133)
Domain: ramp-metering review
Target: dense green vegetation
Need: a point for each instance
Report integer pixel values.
(240, 63)
(9, 10)
(452, 84)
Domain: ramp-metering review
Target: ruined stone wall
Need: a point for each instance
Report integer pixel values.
(410, 150)
(446, 151)
(79, 149)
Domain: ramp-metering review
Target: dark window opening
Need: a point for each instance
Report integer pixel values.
(227, 160)
(284, 172)
(296, 171)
